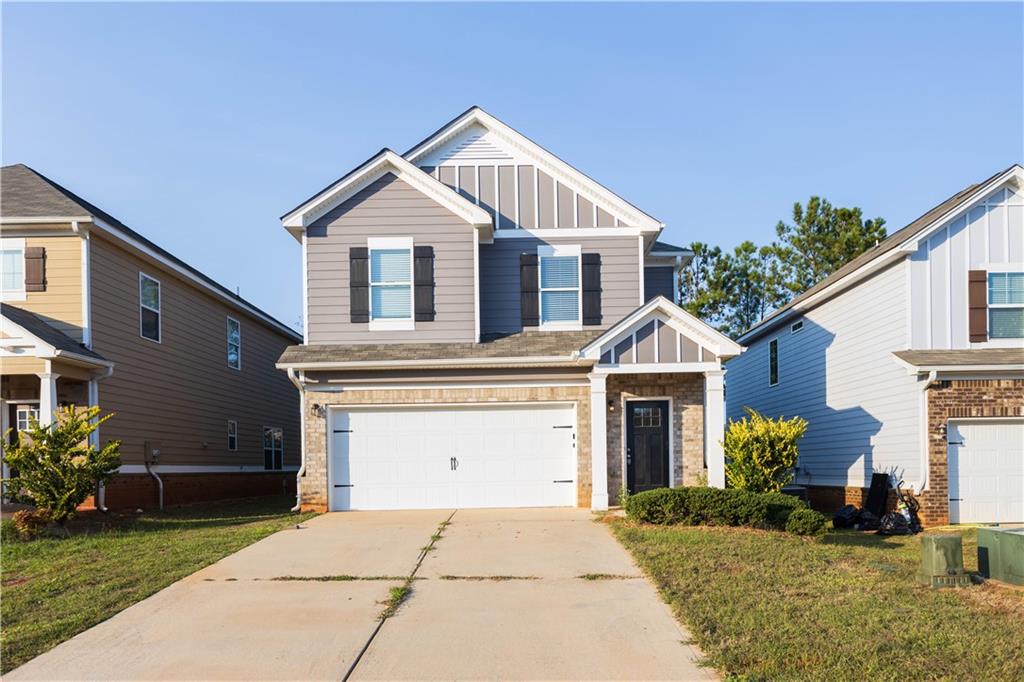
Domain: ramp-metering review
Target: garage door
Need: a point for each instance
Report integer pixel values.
(453, 457)
(986, 471)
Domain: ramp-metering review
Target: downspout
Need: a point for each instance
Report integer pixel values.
(159, 483)
(931, 379)
(302, 439)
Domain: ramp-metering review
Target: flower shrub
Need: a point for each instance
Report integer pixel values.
(760, 452)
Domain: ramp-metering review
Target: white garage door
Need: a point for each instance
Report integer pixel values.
(453, 457)
(986, 471)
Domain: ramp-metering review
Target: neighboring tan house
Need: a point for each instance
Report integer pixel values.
(94, 313)
(909, 360)
(489, 327)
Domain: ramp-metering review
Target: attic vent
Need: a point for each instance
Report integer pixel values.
(797, 326)
(475, 147)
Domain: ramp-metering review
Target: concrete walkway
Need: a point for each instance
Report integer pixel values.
(500, 596)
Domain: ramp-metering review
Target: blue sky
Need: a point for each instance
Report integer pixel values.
(199, 124)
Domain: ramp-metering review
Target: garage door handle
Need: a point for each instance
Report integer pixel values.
(956, 499)
(343, 430)
(344, 485)
(955, 442)
(566, 480)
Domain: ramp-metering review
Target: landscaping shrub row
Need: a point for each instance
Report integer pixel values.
(725, 507)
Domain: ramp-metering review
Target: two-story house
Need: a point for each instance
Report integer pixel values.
(94, 313)
(909, 360)
(489, 327)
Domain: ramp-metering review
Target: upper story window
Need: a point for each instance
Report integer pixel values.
(234, 344)
(560, 300)
(12, 269)
(773, 362)
(391, 287)
(1006, 305)
(149, 308)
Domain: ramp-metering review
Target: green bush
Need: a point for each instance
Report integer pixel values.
(57, 466)
(720, 507)
(806, 522)
(760, 452)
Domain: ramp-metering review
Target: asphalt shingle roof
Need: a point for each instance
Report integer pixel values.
(39, 328)
(971, 356)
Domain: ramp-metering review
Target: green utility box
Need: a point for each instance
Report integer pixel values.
(1001, 554)
(942, 561)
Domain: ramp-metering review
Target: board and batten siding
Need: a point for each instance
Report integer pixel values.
(988, 234)
(659, 280)
(61, 303)
(389, 207)
(499, 278)
(180, 393)
(839, 374)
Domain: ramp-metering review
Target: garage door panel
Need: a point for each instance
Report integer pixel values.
(986, 471)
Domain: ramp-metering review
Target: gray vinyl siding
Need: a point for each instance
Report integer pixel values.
(180, 393)
(658, 281)
(838, 373)
(389, 207)
(499, 278)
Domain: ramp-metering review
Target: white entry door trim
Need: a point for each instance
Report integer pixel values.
(464, 455)
(986, 470)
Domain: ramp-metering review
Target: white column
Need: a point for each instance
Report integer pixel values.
(47, 397)
(714, 426)
(598, 443)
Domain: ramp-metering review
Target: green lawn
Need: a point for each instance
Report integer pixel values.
(54, 588)
(764, 605)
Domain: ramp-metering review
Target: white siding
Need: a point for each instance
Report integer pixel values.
(989, 234)
(838, 373)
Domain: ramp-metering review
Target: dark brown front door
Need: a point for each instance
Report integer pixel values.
(647, 456)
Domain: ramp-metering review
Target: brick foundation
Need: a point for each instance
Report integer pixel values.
(139, 491)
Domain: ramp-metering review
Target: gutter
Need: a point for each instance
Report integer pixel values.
(302, 447)
(524, 361)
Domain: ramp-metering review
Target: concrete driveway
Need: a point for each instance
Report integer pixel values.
(502, 594)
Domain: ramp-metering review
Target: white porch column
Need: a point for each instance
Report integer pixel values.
(598, 443)
(47, 397)
(714, 426)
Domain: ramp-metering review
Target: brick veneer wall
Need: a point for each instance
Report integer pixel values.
(139, 491)
(953, 399)
(687, 393)
(315, 483)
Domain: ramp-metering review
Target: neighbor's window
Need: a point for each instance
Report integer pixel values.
(1006, 305)
(12, 267)
(391, 284)
(273, 447)
(232, 435)
(24, 417)
(773, 362)
(559, 285)
(796, 326)
(149, 307)
(234, 344)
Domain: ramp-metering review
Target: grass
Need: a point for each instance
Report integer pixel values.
(54, 588)
(765, 605)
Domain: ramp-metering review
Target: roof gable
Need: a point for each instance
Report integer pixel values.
(475, 135)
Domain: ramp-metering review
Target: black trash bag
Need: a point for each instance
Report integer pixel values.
(867, 521)
(845, 517)
(894, 523)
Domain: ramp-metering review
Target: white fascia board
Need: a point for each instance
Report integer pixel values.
(544, 159)
(16, 336)
(525, 361)
(36, 220)
(565, 232)
(385, 162)
(661, 308)
(659, 368)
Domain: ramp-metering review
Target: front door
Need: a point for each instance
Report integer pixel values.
(647, 455)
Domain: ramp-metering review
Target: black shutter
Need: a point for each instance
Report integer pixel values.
(359, 284)
(35, 268)
(529, 291)
(591, 288)
(423, 278)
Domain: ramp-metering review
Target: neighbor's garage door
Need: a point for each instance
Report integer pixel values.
(450, 457)
(986, 471)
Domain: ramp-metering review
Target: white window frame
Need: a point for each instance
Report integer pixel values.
(547, 250)
(778, 362)
(232, 434)
(263, 435)
(998, 269)
(14, 244)
(158, 310)
(391, 243)
(228, 358)
(30, 413)
(796, 327)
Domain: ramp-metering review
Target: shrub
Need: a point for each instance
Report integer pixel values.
(804, 521)
(760, 452)
(57, 466)
(29, 524)
(723, 507)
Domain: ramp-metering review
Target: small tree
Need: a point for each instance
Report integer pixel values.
(760, 452)
(57, 466)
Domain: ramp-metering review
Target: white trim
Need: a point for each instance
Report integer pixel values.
(331, 387)
(201, 468)
(400, 324)
(599, 442)
(158, 310)
(671, 437)
(523, 361)
(714, 427)
(305, 290)
(658, 368)
(552, 165)
(387, 161)
(560, 251)
(566, 232)
(476, 284)
(227, 324)
(36, 220)
(640, 271)
(86, 287)
(14, 244)
(393, 244)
